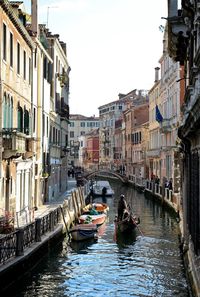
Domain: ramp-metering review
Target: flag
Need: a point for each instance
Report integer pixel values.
(159, 117)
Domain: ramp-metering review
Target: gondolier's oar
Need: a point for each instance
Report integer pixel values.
(138, 227)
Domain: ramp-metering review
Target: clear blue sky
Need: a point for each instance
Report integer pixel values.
(113, 46)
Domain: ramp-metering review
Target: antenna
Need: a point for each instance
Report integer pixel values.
(48, 13)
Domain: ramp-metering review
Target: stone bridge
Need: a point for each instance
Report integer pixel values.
(121, 177)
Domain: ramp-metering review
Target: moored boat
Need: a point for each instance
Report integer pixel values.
(97, 219)
(83, 232)
(99, 207)
(102, 188)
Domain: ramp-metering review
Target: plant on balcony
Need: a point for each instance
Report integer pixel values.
(45, 175)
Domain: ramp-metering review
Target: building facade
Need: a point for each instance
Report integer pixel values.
(17, 143)
(79, 126)
(28, 95)
(184, 46)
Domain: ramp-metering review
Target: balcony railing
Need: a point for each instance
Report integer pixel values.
(14, 141)
(153, 153)
(165, 126)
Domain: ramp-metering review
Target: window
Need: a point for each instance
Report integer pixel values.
(18, 58)
(26, 121)
(34, 119)
(4, 41)
(11, 49)
(82, 124)
(24, 65)
(71, 134)
(56, 63)
(43, 124)
(47, 126)
(45, 67)
(71, 124)
(82, 132)
(54, 134)
(20, 118)
(58, 137)
(66, 140)
(29, 71)
(35, 58)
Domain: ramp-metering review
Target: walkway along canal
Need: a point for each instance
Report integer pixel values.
(148, 265)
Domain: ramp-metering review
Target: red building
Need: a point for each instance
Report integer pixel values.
(92, 150)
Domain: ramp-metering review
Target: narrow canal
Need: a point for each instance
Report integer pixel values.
(148, 264)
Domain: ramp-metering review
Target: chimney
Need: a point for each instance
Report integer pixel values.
(157, 74)
(34, 17)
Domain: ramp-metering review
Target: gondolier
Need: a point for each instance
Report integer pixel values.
(122, 206)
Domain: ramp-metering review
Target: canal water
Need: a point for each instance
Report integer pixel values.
(147, 263)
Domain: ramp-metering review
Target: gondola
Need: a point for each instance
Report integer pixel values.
(128, 223)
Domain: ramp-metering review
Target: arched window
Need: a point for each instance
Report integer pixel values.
(26, 121)
(11, 112)
(20, 118)
(8, 112)
(4, 110)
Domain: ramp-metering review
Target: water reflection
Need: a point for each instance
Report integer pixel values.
(123, 239)
(82, 246)
(121, 266)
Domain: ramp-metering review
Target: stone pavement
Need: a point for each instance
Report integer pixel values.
(51, 205)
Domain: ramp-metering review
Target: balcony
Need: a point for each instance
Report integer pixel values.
(165, 126)
(30, 147)
(154, 153)
(64, 151)
(62, 108)
(64, 113)
(14, 143)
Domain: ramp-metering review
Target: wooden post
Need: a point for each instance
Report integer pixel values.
(77, 202)
(51, 217)
(37, 229)
(79, 194)
(20, 242)
(75, 208)
(82, 197)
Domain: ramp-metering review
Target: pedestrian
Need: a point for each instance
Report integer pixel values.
(170, 184)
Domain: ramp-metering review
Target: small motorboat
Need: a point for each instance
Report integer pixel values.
(83, 232)
(102, 188)
(97, 219)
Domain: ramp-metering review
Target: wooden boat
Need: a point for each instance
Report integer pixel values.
(98, 187)
(98, 219)
(83, 232)
(99, 207)
(127, 224)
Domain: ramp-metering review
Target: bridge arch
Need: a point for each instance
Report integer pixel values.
(122, 178)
